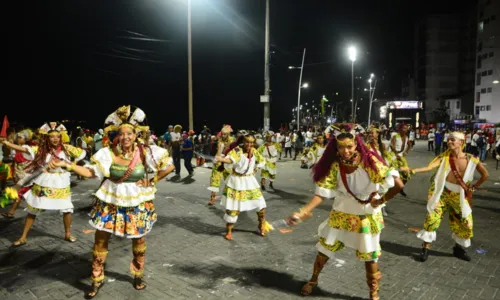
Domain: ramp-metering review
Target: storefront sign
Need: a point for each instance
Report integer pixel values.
(404, 104)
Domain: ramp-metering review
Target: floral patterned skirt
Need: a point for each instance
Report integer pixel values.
(359, 232)
(128, 222)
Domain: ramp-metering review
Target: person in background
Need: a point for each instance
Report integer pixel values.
(438, 141)
(98, 139)
(299, 144)
(430, 141)
(175, 140)
(288, 144)
(446, 134)
(187, 153)
(468, 141)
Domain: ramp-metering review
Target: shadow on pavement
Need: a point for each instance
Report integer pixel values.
(493, 209)
(192, 224)
(275, 280)
(286, 195)
(403, 250)
(20, 267)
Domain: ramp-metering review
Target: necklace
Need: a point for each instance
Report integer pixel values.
(353, 162)
(127, 155)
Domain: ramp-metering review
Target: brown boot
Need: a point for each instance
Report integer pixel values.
(373, 280)
(212, 199)
(97, 276)
(261, 217)
(319, 263)
(229, 231)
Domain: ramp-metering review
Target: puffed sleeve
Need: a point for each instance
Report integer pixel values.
(101, 163)
(76, 153)
(32, 150)
(260, 161)
(158, 158)
(234, 156)
(30, 155)
(384, 175)
(327, 186)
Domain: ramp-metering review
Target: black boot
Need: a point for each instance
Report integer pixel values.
(424, 255)
(460, 253)
(403, 193)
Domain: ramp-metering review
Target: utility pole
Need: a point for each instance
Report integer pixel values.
(300, 87)
(267, 81)
(190, 70)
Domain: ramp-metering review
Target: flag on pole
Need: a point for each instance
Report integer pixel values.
(5, 126)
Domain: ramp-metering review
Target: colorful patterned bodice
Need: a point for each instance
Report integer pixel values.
(116, 172)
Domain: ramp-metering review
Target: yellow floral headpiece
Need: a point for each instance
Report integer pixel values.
(123, 117)
(51, 127)
(226, 129)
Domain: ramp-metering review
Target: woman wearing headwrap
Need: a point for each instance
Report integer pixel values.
(20, 162)
(50, 188)
(218, 171)
(124, 201)
(360, 184)
(242, 191)
(270, 151)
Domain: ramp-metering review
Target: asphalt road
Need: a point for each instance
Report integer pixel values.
(188, 258)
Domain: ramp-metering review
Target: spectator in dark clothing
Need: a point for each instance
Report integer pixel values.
(187, 153)
(439, 142)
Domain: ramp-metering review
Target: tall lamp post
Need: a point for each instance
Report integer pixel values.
(190, 69)
(267, 79)
(305, 85)
(352, 57)
(373, 83)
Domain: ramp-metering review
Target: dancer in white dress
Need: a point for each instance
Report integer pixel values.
(242, 191)
(361, 184)
(50, 187)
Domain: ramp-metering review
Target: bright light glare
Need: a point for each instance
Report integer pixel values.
(291, 67)
(352, 53)
(370, 80)
(372, 75)
(496, 81)
(305, 85)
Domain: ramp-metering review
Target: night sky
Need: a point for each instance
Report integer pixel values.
(81, 59)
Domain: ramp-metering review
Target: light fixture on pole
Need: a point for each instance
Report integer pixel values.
(371, 92)
(352, 52)
(301, 86)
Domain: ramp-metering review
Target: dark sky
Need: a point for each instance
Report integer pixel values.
(81, 59)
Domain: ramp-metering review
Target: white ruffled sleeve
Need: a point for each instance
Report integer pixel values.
(158, 159)
(388, 181)
(101, 163)
(30, 155)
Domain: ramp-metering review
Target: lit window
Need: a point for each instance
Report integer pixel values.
(481, 26)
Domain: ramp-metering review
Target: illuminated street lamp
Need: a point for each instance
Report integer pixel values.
(352, 52)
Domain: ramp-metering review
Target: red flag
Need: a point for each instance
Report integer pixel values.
(5, 126)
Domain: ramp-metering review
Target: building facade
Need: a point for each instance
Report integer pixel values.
(444, 60)
(487, 88)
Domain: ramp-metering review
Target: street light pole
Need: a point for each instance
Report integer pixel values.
(190, 70)
(352, 57)
(372, 94)
(352, 92)
(300, 87)
(267, 83)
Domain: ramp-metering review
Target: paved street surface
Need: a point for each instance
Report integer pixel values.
(188, 258)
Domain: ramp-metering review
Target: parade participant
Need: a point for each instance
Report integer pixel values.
(360, 183)
(50, 190)
(451, 190)
(315, 152)
(400, 146)
(376, 144)
(187, 153)
(21, 161)
(242, 191)
(218, 171)
(270, 151)
(175, 146)
(124, 201)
